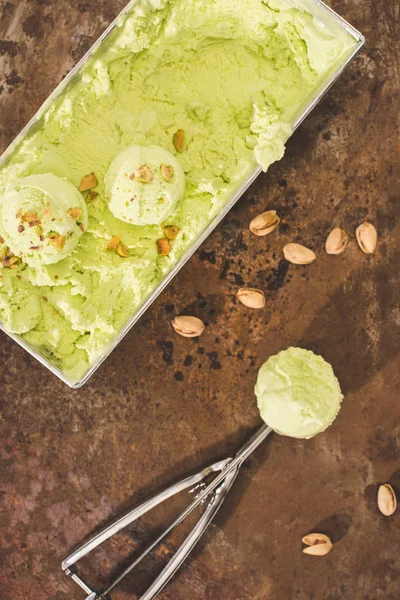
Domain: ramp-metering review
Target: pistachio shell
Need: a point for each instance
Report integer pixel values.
(318, 544)
(264, 223)
(298, 254)
(367, 237)
(336, 241)
(251, 297)
(188, 326)
(387, 501)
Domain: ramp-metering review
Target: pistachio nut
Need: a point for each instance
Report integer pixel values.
(367, 237)
(336, 241)
(189, 327)
(264, 223)
(298, 254)
(251, 297)
(318, 544)
(387, 501)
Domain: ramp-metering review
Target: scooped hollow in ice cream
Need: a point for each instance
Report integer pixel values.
(298, 394)
(42, 218)
(144, 185)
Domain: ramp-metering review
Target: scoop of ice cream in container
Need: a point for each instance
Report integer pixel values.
(42, 218)
(144, 184)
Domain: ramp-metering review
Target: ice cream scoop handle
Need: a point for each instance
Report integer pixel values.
(248, 448)
(193, 537)
(225, 478)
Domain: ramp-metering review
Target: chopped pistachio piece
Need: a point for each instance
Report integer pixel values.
(163, 246)
(171, 231)
(10, 261)
(88, 182)
(113, 243)
(59, 242)
(75, 213)
(122, 251)
(367, 237)
(31, 218)
(179, 140)
(167, 172)
(144, 174)
(91, 196)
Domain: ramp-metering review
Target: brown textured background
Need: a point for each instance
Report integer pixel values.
(162, 405)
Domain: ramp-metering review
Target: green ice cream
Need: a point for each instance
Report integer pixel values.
(42, 218)
(233, 76)
(144, 184)
(297, 393)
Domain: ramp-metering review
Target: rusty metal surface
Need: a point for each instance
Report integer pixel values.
(163, 405)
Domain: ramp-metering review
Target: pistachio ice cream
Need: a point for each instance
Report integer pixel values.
(144, 184)
(170, 115)
(298, 393)
(42, 218)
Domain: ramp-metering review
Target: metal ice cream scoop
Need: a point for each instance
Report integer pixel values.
(214, 494)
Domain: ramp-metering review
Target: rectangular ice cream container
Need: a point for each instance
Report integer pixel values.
(325, 16)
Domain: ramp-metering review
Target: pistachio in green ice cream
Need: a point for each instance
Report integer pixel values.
(232, 77)
(144, 184)
(298, 394)
(42, 218)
